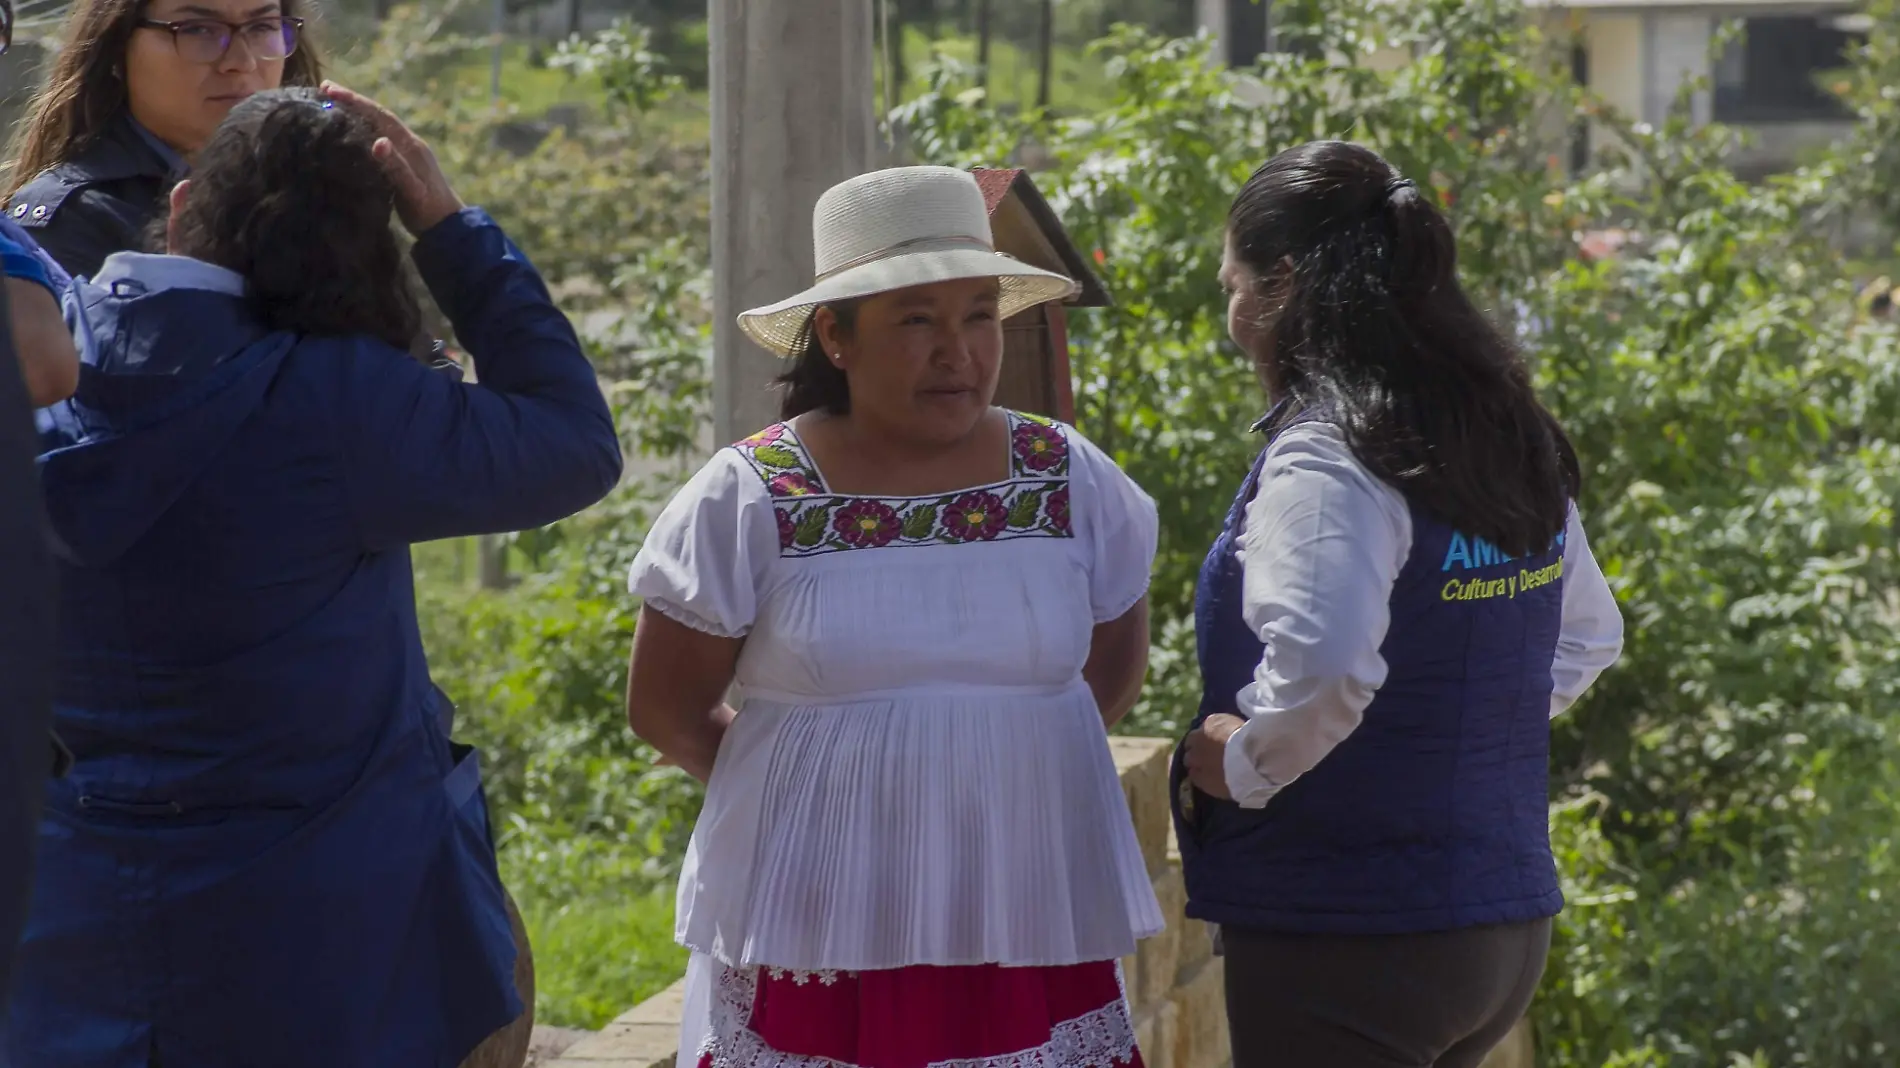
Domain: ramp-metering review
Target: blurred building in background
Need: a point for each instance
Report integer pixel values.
(1772, 80)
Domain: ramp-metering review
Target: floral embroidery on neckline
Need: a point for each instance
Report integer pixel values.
(1032, 502)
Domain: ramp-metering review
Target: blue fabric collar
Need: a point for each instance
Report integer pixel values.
(152, 273)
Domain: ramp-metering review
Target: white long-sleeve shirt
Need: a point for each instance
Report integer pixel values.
(1323, 546)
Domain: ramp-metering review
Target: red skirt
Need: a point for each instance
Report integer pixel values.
(922, 1017)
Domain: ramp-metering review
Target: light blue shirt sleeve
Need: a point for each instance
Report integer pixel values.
(1324, 543)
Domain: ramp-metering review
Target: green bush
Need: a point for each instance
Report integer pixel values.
(1780, 956)
(608, 955)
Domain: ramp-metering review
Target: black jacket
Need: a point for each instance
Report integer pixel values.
(101, 201)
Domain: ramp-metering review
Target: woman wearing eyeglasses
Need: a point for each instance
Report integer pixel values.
(138, 89)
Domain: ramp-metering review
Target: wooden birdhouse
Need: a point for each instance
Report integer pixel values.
(1035, 375)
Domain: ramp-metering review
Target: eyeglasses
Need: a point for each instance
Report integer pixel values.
(208, 40)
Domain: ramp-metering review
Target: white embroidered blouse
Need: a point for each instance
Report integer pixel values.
(919, 774)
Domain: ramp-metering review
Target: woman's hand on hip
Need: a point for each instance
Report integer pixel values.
(1207, 752)
(424, 196)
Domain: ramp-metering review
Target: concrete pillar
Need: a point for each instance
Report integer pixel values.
(1242, 29)
(791, 116)
(1211, 16)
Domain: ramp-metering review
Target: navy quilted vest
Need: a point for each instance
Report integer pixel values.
(1432, 815)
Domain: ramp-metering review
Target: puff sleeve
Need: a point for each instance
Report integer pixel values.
(707, 557)
(1117, 526)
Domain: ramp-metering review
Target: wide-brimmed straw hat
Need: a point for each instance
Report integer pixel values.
(897, 228)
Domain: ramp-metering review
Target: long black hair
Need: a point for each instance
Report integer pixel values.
(1376, 333)
(287, 194)
(813, 383)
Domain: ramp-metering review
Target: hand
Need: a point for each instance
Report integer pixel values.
(1206, 754)
(423, 194)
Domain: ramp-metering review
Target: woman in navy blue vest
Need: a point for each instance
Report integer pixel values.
(1400, 599)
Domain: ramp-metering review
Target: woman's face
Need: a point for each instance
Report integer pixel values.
(181, 98)
(922, 362)
(1250, 313)
(1254, 308)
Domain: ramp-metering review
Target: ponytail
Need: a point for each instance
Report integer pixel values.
(1424, 250)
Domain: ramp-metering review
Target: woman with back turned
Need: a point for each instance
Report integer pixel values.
(267, 851)
(1400, 599)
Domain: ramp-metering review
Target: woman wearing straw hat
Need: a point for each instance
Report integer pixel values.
(914, 849)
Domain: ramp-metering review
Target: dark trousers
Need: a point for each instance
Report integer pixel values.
(1440, 1000)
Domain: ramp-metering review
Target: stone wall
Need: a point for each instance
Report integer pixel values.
(1174, 981)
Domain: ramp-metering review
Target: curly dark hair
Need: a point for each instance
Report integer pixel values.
(1378, 335)
(288, 195)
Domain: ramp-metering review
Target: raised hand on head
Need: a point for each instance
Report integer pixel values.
(424, 196)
